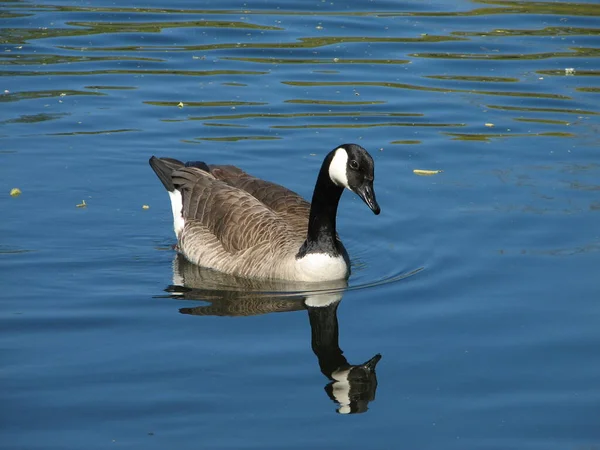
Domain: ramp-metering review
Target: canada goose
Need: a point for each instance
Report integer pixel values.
(228, 220)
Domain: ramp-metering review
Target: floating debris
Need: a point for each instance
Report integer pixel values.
(145, 207)
(180, 104)
(425, 173)
(83, 204)
(15, 192)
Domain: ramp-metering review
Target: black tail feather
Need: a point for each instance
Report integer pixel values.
(164, 167)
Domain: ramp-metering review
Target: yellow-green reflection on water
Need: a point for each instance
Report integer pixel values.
(296, 115)
(193, 73)
(234, 125)
(406, 142)
(22, 35)
(548, 31)
(473, 78)
(333, 102)
(546, 121)
(559, 8)
(305, 42)
(489, 136)
(238, 138)
(318, 60)
(576, 73)
(546, 110)
(14, 59)
(16, 96)
(35, 118)
(594, 90)
(157, 27)
(577, 52)
(501, 7)
(204, 104)
(77, 133)
(423, 88)
(370, 125)
(112, 88)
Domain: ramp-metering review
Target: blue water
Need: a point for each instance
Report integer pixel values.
(477, 285)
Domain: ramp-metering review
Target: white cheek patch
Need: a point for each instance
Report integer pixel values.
(177, 207)
(337, 168)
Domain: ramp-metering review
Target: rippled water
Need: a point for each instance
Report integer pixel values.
(477, 285)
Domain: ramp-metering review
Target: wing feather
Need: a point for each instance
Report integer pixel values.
(236, 218)
(280, 199)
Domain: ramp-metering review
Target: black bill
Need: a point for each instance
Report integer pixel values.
(367, 193)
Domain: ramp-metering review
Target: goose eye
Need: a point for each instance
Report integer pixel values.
(354, 164)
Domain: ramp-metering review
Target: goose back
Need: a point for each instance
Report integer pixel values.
(279, 199)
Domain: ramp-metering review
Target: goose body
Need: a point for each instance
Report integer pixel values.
(230, 221)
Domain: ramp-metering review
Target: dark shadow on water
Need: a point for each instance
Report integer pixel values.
(350, 386)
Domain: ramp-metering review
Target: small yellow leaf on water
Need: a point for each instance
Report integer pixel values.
(426, 172)
(489, 124)
(83, 204)
(180, 104)
(145, 207)
(15, 192)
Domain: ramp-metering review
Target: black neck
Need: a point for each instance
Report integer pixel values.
(321, 236)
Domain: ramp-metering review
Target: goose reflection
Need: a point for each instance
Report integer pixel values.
(351, 386)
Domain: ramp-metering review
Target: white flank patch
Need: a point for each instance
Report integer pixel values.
(321, 267)
(177, 206)
(337, 168)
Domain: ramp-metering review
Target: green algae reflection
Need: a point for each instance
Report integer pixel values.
(423, 88)
(487, 137)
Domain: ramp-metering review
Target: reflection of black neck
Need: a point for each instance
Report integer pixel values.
(325, 338)
(321, 236)
(358, 383)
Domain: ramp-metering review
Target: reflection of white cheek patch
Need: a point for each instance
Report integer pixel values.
(337, 168)
(341, 390)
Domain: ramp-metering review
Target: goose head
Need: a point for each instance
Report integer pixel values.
(352, 167)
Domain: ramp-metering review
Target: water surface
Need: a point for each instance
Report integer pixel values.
(477, 285)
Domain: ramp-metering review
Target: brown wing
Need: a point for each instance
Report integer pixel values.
(235, 217)
(278, 198)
